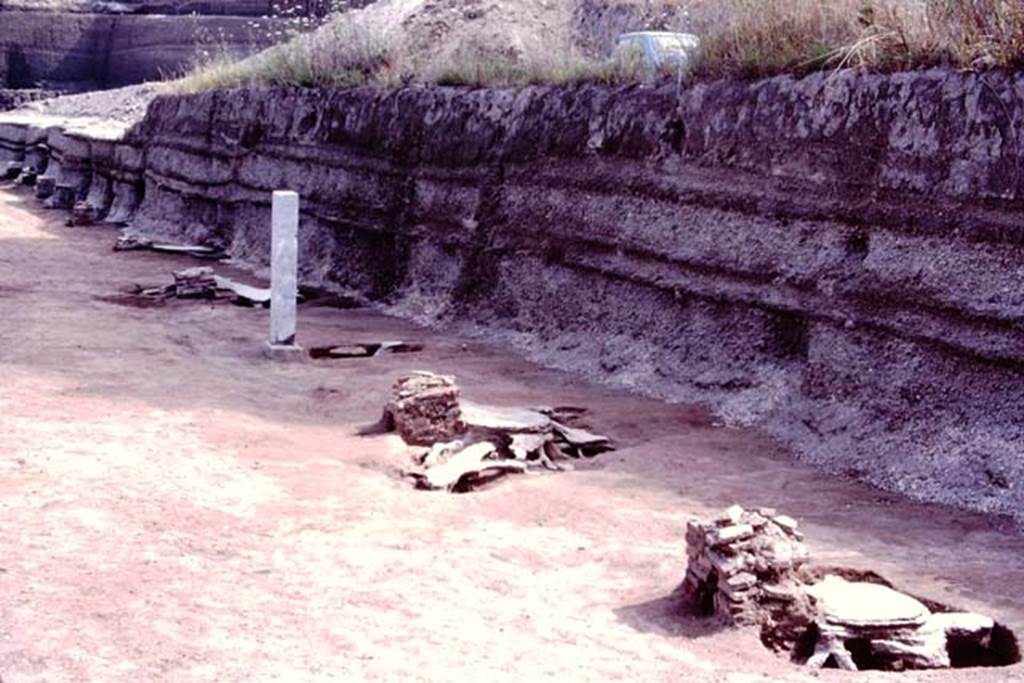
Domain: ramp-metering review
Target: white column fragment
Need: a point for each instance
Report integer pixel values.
(284, 256)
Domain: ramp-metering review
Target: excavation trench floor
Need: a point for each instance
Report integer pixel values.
(175, 507)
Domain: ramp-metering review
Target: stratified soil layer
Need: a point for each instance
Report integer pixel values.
(836, 258)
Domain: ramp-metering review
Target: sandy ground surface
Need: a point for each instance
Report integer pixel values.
(175, 507)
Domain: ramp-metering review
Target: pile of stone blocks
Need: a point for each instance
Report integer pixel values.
(744, 567)
(750, 567)
(471, 444)
(425, 409)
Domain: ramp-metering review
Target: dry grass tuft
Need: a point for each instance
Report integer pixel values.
(741, 38)
(754, 38)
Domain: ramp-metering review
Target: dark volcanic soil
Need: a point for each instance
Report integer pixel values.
(175, 507)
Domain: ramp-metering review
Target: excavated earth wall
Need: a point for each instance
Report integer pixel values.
(78, 52)
(838, 258)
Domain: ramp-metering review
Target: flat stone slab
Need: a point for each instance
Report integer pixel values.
(503, 419)
(866, 605)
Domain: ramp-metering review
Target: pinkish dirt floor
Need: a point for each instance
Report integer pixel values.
(174, 507)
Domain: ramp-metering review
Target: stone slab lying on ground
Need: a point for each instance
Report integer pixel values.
(139, 243)
(245, 294)
(364, 350)
(427, 411)
(462, 468)
(195, 283)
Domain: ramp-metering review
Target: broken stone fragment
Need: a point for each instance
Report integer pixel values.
(62, 197)
(440, 453)
(45, 186)
(785, 522)
(731, 517)
(741, 581)
(781, 593)
(83, 213)
(729, 535)
(701, 568)
(524, 446)
(132, 243)
(777, 555)
(195, 283)
(694, 536)
(580, 441)
(27, 177)
(466, 461)
(963, 624)
(726, 565)
(11, 170)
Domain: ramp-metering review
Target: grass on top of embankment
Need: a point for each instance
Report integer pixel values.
(740, 38)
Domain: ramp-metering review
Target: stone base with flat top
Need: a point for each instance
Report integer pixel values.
(284, 352)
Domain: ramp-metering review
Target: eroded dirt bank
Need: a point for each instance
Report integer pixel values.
(178, 508)
(835, 258)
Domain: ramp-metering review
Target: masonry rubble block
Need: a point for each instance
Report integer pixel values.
(471, 443)
(195, 283)
(83, 213)
(425, 409)
(744, 567)
(749, 567)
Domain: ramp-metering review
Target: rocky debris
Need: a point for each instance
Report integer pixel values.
(492, 440)
(245, 295)
(63, 197)
(83, 213)
(364, 350)
(191, 283)
(744, 567)
(459, 469)
(27, 177)
(10, 170)
(12, 98)
(129, 242)
(425, 409)
(45, 186)
(749, 568)
(135, 242)
(195, 283)
(866, 625)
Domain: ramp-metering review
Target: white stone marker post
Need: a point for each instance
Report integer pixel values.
(284, 258)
